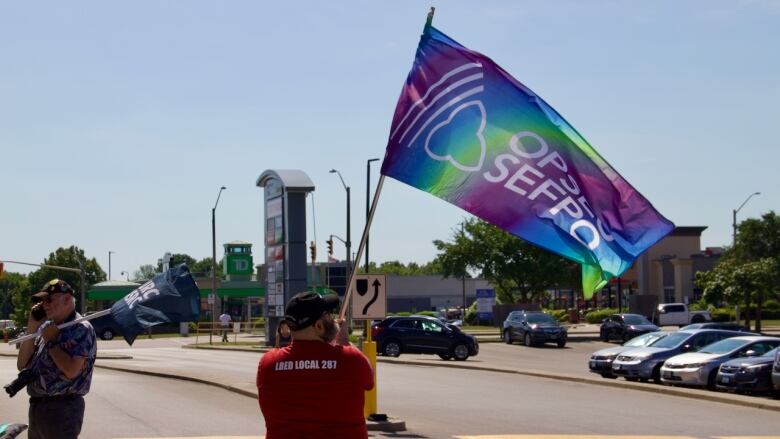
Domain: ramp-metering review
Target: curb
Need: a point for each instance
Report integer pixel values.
(650, 388)
(391, 425)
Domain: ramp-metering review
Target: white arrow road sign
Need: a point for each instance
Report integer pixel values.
(369, 300)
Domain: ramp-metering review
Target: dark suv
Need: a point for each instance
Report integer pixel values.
(533, 327)
(422, 335)
(105, 327)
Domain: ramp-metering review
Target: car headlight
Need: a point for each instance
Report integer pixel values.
(757, 367)
(694, 365)
(534, 326)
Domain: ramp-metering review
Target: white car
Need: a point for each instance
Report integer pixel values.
(701, 368)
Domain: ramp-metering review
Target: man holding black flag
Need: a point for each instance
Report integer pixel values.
(59, 363)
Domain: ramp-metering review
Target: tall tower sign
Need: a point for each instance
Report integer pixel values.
(285, 240)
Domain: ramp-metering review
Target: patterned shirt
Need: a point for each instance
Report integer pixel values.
(78, 341)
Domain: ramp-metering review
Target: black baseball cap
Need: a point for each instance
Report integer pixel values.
(306, 308)
(53, 286)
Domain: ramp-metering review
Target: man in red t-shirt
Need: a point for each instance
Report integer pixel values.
(314, 388)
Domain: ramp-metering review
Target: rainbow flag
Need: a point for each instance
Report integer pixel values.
(466, 131)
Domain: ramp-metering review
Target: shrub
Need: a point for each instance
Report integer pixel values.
(560, 315)
(722, 314)
(428, 313)
(772, 305)
(596, 316)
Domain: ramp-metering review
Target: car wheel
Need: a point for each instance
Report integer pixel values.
(625, 337)
(697, 319)
(632, 379)
(391, 348)
(604, 336)
(607, 375)
(508, 337)
(711, 379)
(107, 334)
(527, 340)
(561, 343)
(460, 352)
(445, 357)
(657, 374)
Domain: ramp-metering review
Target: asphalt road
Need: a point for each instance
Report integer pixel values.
(124, 405)
(435, 403)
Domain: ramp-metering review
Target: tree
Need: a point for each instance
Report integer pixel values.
(519, 270)
(400, 269)
(144, 273)
(740, 283)
(71, 257)
(178, 258)
(10, 285)
(203, 266)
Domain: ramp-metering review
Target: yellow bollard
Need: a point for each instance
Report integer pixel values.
(369, 350)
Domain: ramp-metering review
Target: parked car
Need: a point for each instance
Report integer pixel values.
(624, 327)
(776, 373)
(601, 361)
(701, 368)
(749, 374)
(105, 327)
(645, 363)
(533, 327)
(422, 335)
(668, 314)
(730, 326)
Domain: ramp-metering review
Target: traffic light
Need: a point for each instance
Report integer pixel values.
(313, 248)
(330, 246)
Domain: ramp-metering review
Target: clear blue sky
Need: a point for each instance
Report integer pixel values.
(119, 121)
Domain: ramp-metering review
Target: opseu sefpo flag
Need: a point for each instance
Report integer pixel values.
(469, 133)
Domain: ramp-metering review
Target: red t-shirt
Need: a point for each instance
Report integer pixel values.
(312, 389)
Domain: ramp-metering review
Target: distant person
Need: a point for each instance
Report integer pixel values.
(283, 335)
(224, 323)
(61, 363)
(314, 387)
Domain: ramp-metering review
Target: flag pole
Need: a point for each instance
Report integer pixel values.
(361, 247)
(64, 325)
(429, 20)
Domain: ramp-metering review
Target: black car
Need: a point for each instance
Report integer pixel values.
(624, 327)
(748, 374)
(105, 327)
(729, 326)
(776, 373)
(422, 335)
(533, 327)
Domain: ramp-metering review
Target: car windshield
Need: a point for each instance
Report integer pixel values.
(636, 320)
(672, 340)
(645, 339)
(724, 346)
(540, 318)
(771, 353)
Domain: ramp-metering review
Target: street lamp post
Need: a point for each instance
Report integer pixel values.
(734, 217)
(214, 263)
(368, 199)
(109, 263)
(349, 241)
(734, 236)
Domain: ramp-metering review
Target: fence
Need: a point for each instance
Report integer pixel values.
(234, 329)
